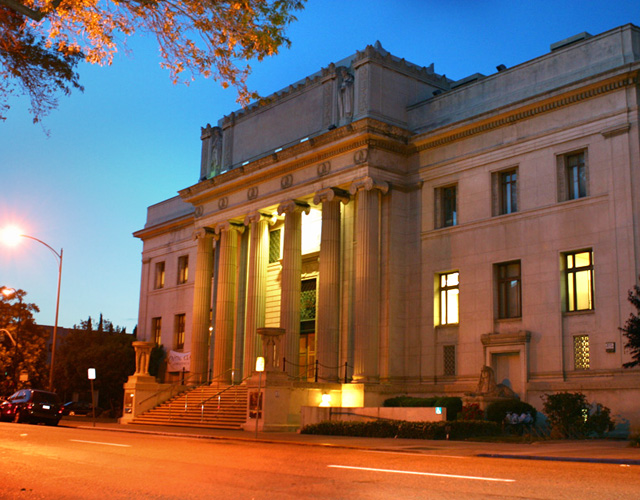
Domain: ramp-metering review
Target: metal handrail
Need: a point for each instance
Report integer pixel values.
(170, 388)
(217, 395)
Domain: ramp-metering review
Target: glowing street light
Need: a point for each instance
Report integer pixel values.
(10, 236)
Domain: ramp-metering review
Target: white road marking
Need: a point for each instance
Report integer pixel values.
(454, 476)
(98, 442)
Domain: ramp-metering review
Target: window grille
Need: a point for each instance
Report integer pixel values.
(274, 245)
(449, 355)
(581, 352)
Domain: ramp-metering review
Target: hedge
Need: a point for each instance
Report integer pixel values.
(459, 429)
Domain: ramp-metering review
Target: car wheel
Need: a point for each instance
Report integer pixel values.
(18, 417)
(51, 422)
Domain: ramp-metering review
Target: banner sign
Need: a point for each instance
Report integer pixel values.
(176, 361)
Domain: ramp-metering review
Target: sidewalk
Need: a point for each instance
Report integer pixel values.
(592, 450)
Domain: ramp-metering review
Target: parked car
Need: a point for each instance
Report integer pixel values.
(79, 408)
(32, 405)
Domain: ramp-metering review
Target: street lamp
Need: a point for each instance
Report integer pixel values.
(11, 236)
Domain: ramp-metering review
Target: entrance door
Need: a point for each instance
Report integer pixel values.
(508, 371)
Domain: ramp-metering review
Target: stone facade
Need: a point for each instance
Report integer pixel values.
(405, 229)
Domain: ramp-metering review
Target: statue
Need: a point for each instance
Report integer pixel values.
(211, 161)
(345, 95)
(487, 386)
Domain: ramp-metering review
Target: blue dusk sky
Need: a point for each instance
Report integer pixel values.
(132, 139)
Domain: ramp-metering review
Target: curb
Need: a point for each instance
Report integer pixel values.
(617, 461)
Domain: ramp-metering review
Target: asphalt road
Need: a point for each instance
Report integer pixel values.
(41, 462)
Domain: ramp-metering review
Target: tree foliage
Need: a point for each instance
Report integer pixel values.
(631, 328)
(212, 38)
(30, 352)
(31, 68)
(102, 346)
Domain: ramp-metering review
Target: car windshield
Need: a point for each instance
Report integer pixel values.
(46, 397)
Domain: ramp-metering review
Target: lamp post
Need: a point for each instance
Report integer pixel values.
(11, 236)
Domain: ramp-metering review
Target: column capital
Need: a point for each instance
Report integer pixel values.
(229, 226)
(331, 194)
(257, 217)
(367, 184)
(292, 206)
(202, 232)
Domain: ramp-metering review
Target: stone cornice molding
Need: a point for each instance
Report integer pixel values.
(522, 113)
(331, 194)
(367, 184)
(258, 217)
(229, 226)
(202, 233)
(521, 337)
(292, 206)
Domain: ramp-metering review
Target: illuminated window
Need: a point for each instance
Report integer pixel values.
(159, 277)
(183, 269)
(311, 231)
(179, 331)
(581, 352)
(579, 281)
(156, 330)
(509, 290)
(448, 292)
(446, 209)
(449, 359)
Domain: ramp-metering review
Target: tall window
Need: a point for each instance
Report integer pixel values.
(576, 176)
(274, 245)
(581, 352)
(159, 276)
(179, 331)
(449, 358)
(509, 290)
(579, 280)
(156, 330)
(508, 192)
(449, 289)
(446, 209)
(183, 269)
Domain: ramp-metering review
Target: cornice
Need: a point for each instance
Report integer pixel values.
(163, 227)
(459, 131)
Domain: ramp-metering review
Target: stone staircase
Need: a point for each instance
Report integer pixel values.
(213, 407)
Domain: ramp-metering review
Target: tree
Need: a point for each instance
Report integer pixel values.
(105, 347)
(29, 354)
(28, 67)
(631, 328)
(212, 38)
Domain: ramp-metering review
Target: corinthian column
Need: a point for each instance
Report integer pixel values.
(201, 305)
(367, 282)
(226, 300)
(328, 314)
(256, 286)
(290, 284)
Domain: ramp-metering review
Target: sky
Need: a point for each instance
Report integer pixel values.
(132, 139)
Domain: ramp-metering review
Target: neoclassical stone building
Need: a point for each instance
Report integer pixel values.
(405, 229)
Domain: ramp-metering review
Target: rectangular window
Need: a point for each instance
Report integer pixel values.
(274, 245)
(573, 176)
(449, 289)
(446, 209)
(508, 192)
(449, 358)
(581, 352)
(156, 330)
(159, 277)
(579, 280)
(179, 331)
(509, 284)
(183, 269)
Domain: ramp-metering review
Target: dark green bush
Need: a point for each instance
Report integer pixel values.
(452, 404)
(402, 429)
(497, 410)
(569, 415)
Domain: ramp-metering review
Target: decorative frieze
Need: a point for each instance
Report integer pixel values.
(324, 168)
(252, 193)
(286, 181)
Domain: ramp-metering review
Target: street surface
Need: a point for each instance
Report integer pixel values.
(41, 462)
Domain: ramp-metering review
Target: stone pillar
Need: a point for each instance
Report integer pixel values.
(144, 331)
(367, 282)
(290, 284)
(201, 305)
(328, 308)
(256, 287)
(226, 300)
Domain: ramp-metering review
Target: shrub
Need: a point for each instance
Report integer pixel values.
(569, 416)
(462, 429)
(497, 410)
(471, 412)
(634, 440)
